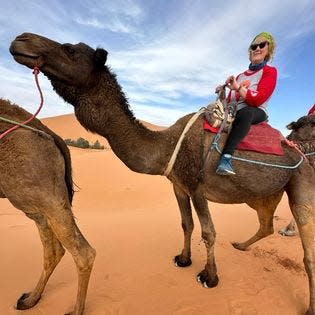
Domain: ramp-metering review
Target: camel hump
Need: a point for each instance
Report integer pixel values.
(14, 112)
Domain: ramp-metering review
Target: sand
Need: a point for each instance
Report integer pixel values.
(133, 222)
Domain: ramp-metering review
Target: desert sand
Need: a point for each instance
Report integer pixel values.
(133, 222)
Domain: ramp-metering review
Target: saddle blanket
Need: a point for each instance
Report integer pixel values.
(260, 138)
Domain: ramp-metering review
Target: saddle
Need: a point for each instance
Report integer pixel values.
(261, 137)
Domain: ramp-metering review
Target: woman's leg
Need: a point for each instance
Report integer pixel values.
(244, 118)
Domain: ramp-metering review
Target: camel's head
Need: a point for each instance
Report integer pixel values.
(303, 129)
(76, 65)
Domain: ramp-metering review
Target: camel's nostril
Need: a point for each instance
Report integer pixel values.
(21, 38)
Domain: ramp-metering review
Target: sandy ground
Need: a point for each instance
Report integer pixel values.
(133, 222)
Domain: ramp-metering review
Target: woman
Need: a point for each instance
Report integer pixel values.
(249, 92)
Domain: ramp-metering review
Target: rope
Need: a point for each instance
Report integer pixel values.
(23, 124)
(180, 140)
(291, 167)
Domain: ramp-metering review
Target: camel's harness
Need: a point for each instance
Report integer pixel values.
(214, 144)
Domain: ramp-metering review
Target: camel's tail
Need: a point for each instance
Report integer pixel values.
(68, 169)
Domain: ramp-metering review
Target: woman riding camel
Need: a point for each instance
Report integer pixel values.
(249, 92)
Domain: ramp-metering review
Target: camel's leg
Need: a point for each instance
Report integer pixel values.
(83, 254)
(208, 277)
(183, 200)
(302, 203)
(53, 252)
(289, 230)
(265, 210)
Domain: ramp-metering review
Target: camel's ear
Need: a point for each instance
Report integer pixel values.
(291, 126)
(100, 57)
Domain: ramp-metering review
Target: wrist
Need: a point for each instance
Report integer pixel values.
(238, 89)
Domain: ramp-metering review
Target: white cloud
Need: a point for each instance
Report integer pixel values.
(158, 115)
(114, 25)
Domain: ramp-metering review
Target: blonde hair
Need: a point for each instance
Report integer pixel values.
(271, 44)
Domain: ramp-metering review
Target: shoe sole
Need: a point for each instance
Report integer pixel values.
(225, 173)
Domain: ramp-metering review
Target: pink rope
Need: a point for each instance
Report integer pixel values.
(35, 72)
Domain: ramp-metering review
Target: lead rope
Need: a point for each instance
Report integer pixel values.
(23, 124)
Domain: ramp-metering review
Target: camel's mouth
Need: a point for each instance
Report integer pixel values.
(28, 59)
(23, 55)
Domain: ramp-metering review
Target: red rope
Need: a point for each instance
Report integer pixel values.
(35, 72)
(295, 146)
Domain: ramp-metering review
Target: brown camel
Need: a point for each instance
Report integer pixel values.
(36, 178)
(78, 74)
(304, 134)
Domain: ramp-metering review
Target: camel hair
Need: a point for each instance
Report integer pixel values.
(36, 178)
(79, 75)
(304, 134)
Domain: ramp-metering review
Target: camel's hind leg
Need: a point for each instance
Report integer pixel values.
(302, 203)
(83, 254)
(183, 200)
(208, 277)
(265, 209)
(53, 252)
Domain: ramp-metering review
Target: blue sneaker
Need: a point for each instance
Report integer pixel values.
(225, 165)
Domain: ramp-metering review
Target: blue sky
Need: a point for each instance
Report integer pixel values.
(168, 55)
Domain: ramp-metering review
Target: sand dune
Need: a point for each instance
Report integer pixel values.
(133, 222)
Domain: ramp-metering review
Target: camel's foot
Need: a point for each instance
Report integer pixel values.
(309, 312)
(208, 282)
(26, 301)
(182, 261)
(239, 246)
(287, 232)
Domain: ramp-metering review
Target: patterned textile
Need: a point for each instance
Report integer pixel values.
(260, 138)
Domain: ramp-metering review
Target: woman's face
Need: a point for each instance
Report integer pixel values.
(258, 51)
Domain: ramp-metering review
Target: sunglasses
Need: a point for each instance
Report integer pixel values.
(253, 47)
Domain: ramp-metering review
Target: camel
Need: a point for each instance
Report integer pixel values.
(79, 74)
(36, 178)
(303, 133)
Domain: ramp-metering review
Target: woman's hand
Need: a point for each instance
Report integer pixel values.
(231, 83)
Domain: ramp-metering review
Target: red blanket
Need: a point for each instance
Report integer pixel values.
(260, 138)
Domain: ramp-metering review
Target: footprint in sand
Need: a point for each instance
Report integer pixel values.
(17, 226)
(242, 308)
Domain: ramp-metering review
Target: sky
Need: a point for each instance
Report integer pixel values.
(168, 55)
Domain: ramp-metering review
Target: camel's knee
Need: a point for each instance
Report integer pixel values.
(302, 213)
(85, 259)
(209, 238)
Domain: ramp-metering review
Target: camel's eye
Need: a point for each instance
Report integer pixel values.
(69, 49)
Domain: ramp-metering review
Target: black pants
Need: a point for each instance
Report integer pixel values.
(244, 118)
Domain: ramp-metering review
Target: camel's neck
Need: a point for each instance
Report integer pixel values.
(308, 148)
(104, 110)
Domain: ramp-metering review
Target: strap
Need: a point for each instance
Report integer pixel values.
(180, 140)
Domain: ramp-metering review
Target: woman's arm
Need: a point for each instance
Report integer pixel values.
(265, 88)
